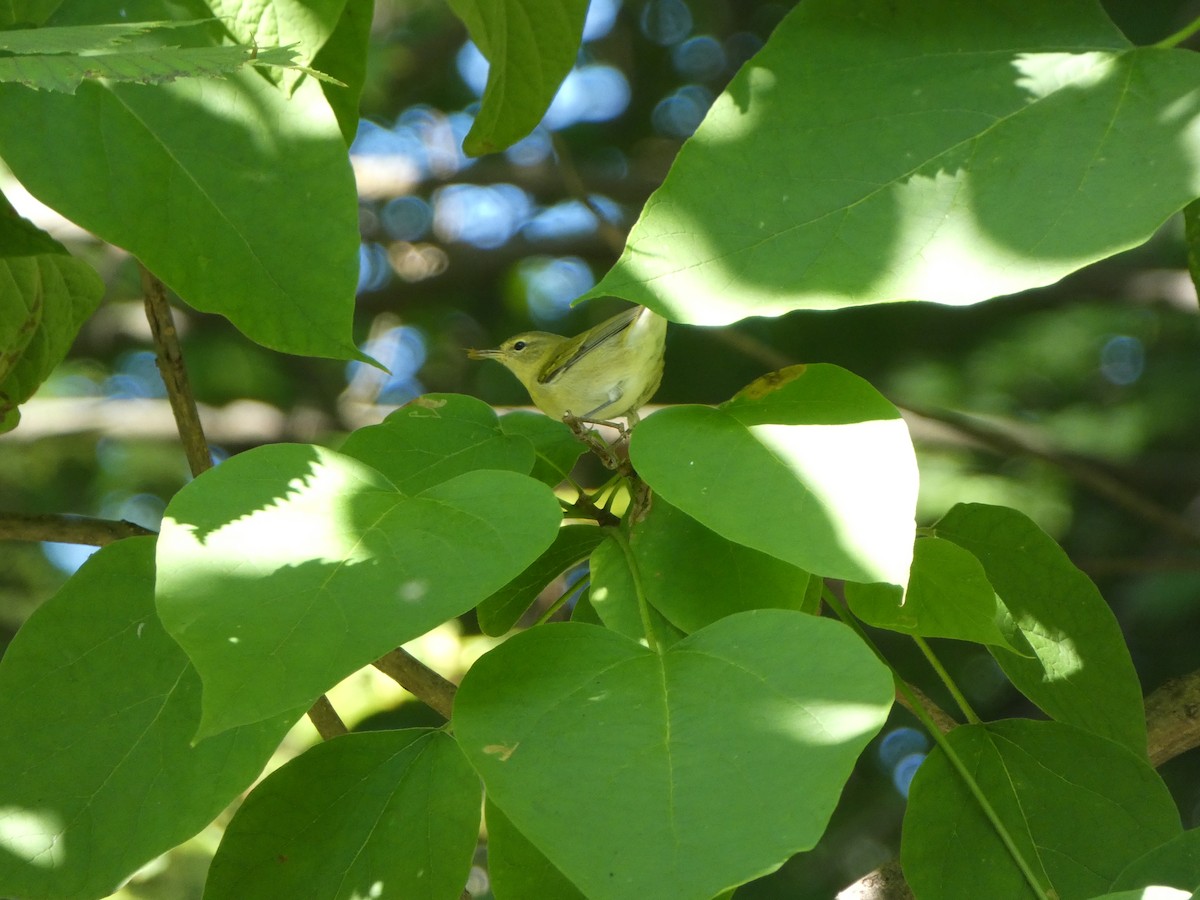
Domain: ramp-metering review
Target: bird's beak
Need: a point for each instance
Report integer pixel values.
(483, 354)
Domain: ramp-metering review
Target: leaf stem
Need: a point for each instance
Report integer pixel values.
(956, 762)
(1179, 36)
(953, 688)
(643, 606)
(66, 529)
(554, 607)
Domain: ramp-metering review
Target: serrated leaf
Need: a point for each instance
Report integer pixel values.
(572, 545)
(948, 596)
(810, 465)
(1080, 672)
(1077, 806)
(436, 437)
(918, 150)
(288, 567)
(214, 185)
(99, 708)
(707, 765)
(78, 38)
(45, 296)
(388, 808)
(531, 46)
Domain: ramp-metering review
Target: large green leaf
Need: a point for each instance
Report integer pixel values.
(556, 447)
(435, 438)
(704, 767)
(531, 46)
(613, 596)
(810, 465)
(215, 185)
(1175, 863)
(948, 596)
(391, 809)
(517, 870)
(917, 150)
(1078, 807)
(45, 296)
(344, 56)
(99, 707)
(1080, 671)
(287, 567)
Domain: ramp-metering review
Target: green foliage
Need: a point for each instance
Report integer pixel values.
(696, 723)
(340, 819)
(668, 739)
(531, 45)
(899, 135)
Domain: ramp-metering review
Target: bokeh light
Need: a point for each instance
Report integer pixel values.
(551, 283)
(699, 58)
(406, 218)
(484, 216)
(680, 114)
(601, 16)
(590, 93)
(1122, 359)
(666, 22)
(562, 221)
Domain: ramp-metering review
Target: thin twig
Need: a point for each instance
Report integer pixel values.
(419, 680)
(174, 374)
(326, 720)
(67, 529)
(612, 236)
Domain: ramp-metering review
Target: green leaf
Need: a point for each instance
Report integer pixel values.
(99, 707)
(143, 65)
(392, 808)
(517, 869)
(45, 296)
(1081, 671)
(531, 46)
(1151, 892)
(288, 567)
(916, 150)
(436, 437)
(572, 545)
(706, 766)
(1078, 807)
(694, 577)
(948, 596)
(613, 596)
(556, 448)
(1175, 863)
(214, 185)
(80, 38)
(344, 56)
(810, 465)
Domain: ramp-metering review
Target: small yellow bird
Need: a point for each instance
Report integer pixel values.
(610, 370)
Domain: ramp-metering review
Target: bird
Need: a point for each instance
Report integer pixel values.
(609, 371)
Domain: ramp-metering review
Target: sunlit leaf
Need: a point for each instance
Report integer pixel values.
(706, 766)
(810, 465)
(917, 150)
(287, 567)
(99, 707)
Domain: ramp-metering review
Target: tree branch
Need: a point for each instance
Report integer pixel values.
(326, 720)
(67, 529)
(419, 680)
(174, 373)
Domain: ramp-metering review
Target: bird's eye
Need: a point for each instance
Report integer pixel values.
(519, 345)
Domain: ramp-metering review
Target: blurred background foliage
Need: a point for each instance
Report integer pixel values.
(1069, 389)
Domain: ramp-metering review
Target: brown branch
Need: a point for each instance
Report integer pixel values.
(944, 721)
(174, 373)
(326, 720)
(419, 680)
(67, 529)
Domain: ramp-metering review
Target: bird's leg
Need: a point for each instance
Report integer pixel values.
(596, 443)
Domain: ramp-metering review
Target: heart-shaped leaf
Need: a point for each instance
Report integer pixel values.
(887, 150)
(674, 775)
(394, 808)
(287, 567)
(810, 465)
(1175, 863)
(99, 707)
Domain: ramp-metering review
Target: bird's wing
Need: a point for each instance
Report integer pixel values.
(575, 350)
